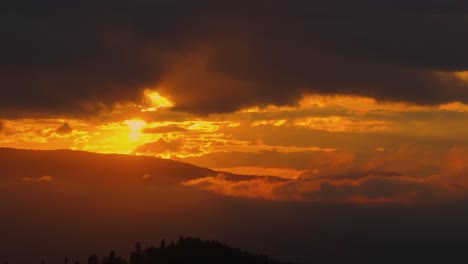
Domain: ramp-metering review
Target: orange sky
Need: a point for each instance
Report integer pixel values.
(302, 106)
(320, 137)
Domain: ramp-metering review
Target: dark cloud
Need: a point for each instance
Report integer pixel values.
(64, 129)
(210, 56)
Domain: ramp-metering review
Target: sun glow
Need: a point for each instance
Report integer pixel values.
(156, 101)
(135, 127)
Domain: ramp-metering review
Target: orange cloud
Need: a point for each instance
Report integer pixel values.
(261, 188)
(45, 178)
(368, 189)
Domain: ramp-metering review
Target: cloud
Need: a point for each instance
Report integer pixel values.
(216, 56)
(160, 146)
(64, 129)
(385, 177)
(164, 129)
(38, 179)
(45, 179)
(2, 126)
(146, 176)
(369, 189)
(250, 188)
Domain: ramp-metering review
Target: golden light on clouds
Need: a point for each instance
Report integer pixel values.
(462, 75)
(342, 124)
(317, 124)
(306, 107)
(135, 127)
(156, 101)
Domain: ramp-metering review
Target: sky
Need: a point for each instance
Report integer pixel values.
(347, 101)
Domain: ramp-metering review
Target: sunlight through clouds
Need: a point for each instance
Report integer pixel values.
(317, 124)
(135, 127)
(156, 100)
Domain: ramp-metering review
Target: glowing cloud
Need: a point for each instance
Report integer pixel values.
(156, 101)
(135, 127)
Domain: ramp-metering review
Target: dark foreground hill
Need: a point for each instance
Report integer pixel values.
(185, 251)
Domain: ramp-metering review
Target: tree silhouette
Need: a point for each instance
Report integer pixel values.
(113, 259)
(94, 259)
(185, 251)
(137, 257)
(192, 250)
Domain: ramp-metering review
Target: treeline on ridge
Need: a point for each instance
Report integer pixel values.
(185, 251)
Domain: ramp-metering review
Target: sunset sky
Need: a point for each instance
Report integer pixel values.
(295, 129)
(366, 98)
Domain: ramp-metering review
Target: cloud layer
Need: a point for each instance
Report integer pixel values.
(80, 58)
(387, 177)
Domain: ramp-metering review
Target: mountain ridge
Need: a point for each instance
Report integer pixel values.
(140, 165)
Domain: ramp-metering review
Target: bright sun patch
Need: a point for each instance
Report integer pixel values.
(135, 127)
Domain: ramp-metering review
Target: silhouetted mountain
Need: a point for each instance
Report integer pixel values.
(90, 166)
(94, 167)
